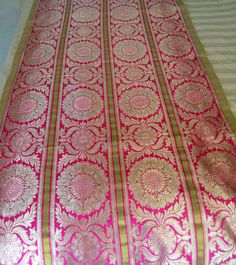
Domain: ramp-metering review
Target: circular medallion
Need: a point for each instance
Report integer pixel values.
(193, 97)
(53, 3)
(39, 54)
(84, 52)
(44, 34)
(161, 10)
(175, 46)
(83, 74)
(28, 107)
(167, 26)
(134, 73)
(130, 50)
(145, 136)
(85, 247)
(82, 140)
(20, 142)
(206, 131)
(124, 13)
(139, 102)
(18, 186)
(48, 18)
(126, 30)
(184, 68)
(11, 249)
(33, 77)
(84, 31)
(154, 182)
(216, 172)
(82, 104)
(162, 241)
(82, 188)
(85, 14)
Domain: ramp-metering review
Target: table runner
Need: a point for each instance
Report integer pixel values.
(116, 147)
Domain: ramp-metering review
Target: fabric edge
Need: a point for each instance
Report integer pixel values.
(213, 79)
(17, 61)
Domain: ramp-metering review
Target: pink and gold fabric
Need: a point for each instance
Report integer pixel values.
(115, 148)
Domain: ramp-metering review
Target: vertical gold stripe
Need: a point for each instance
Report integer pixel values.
(169, 105)
(212, 77)
(51, 140)
(17, 60)
(115, 153)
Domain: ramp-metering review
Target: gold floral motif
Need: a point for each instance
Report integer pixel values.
(82, 104)
(27, 107)
(153, 182)
(193, 97)
(175, 45)
(18, 186)
(82, 188)
(162, 241)
(229, 229)
(85, 247)
(124, 13)
(84, 52)
(139, 102)
(216, 172)
(48, 18)
(39, 54)
(163, 9)
(85, 14)
(130, 50)
(11, 248)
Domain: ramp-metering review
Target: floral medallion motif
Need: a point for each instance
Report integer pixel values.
(82, 188)
(175, 46)
(84, 31)
(134, 73)
(145, 136)
(153, 182)
(28, 107)
(84, 52)
(216, 172)
(126, 30)
(82, 104)
(85, 14)
(193, 97)
(11, 249)
(48, 18)
(184, 68)
(85, 247)
(167, 26)
(82, 140)
(163, 9)
(162, 241)
(83, 74)
(139, 102)
(124, 13)
(20, 142)
(39, 54)
(206, 131)
(33, 77)
(18, 186)
(44, 34)
(130, 50)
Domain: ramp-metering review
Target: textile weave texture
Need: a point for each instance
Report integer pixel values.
(117, 146)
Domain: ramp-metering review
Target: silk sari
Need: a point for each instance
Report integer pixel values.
(117, 143)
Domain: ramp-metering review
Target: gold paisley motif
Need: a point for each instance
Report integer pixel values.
(153, 182)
